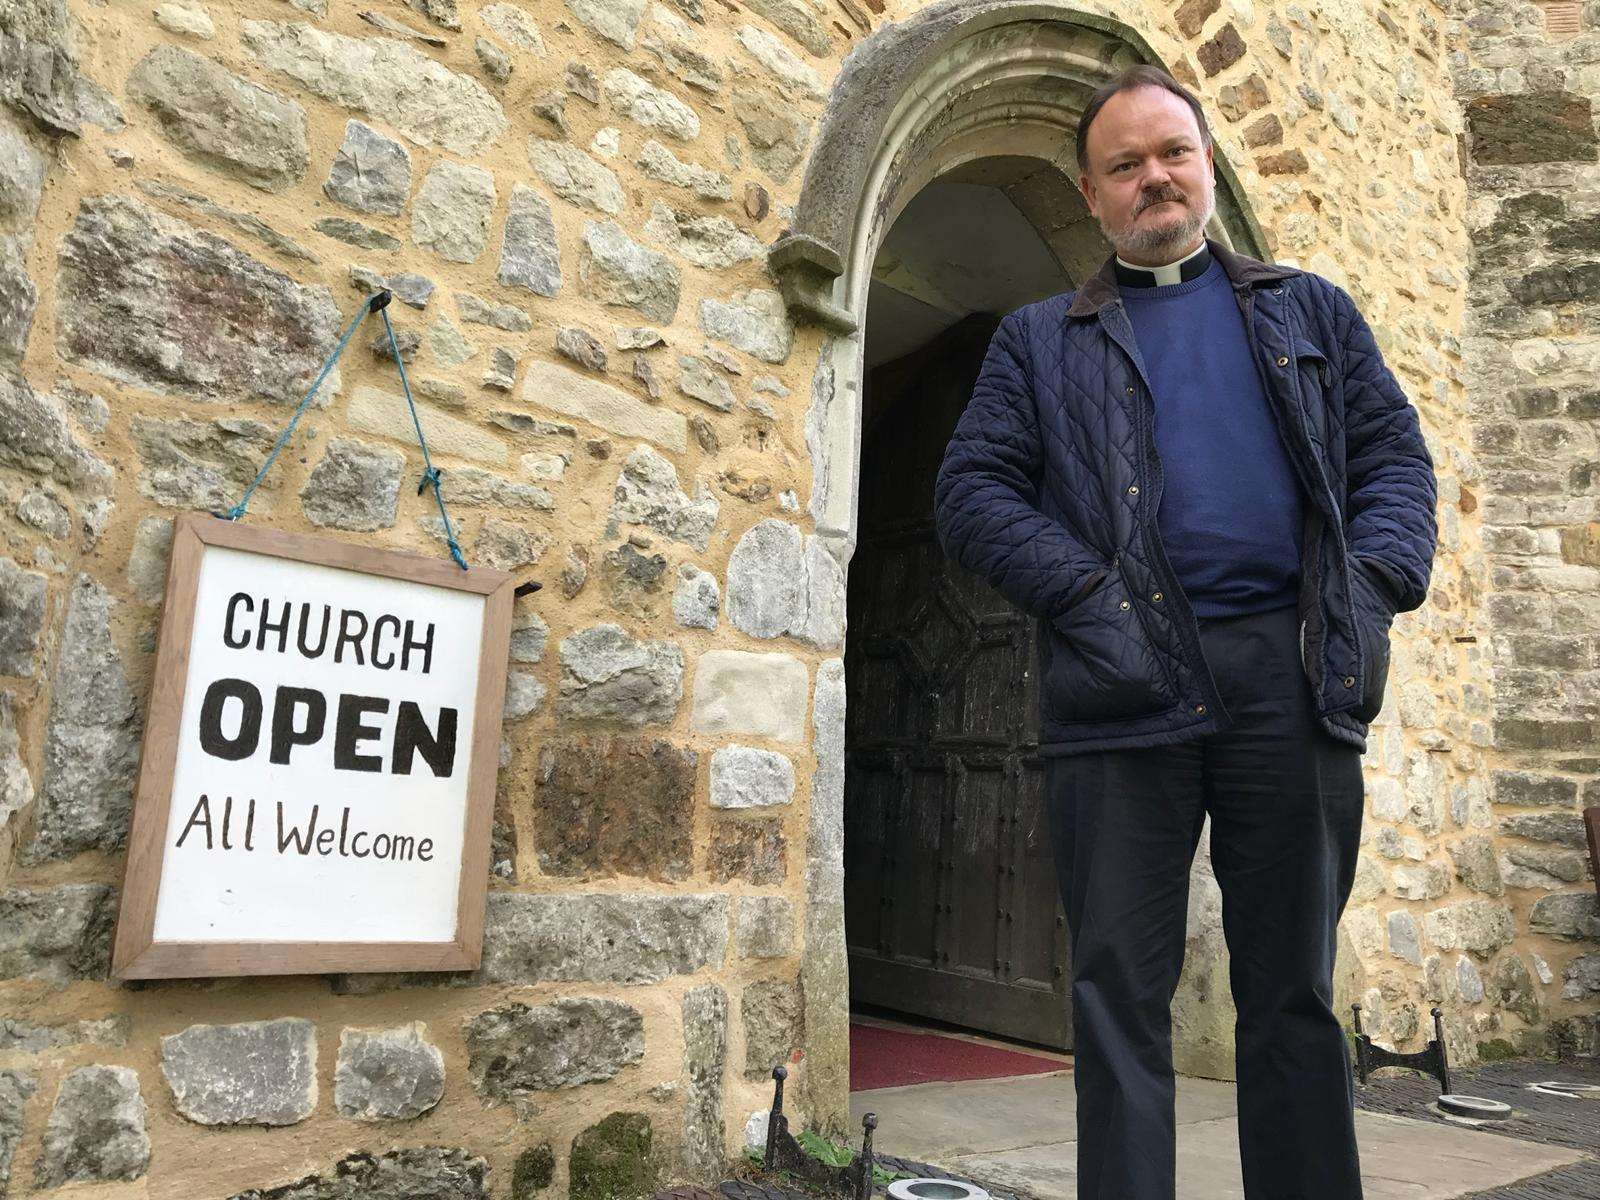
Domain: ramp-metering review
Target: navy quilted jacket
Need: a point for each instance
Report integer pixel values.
(1050, 485)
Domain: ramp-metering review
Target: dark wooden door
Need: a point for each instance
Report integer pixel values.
(951, 905)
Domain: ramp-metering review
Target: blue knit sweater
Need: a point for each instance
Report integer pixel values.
(1231, 508)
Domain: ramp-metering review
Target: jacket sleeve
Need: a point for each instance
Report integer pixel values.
(1390, 522)
(986, 507)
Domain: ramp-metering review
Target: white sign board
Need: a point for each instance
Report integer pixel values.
(319, 760)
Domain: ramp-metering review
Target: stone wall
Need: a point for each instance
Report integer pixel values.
(571, 202)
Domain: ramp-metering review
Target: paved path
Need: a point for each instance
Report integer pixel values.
(1020, 1132)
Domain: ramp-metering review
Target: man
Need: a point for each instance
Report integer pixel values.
(1199, 472)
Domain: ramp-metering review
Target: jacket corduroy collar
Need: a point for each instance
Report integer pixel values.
(1243, 271)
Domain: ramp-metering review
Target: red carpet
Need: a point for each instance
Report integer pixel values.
(892, 1058)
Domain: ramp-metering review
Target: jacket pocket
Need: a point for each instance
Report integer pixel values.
(1102, 665)
(1372, 617)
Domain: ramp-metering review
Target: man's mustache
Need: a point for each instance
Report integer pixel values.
(1152, 200)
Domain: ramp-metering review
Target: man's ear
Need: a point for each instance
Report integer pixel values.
(1087, 188)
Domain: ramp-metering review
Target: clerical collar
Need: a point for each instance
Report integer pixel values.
(1191, 266)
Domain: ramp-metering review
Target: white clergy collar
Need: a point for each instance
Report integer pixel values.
(1172, 272)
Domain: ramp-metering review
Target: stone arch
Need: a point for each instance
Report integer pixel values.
(957, 83)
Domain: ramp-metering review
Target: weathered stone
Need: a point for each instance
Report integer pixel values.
(1562, 828)
(699, 381)
(477, 311)
(91, 737)
(780, 582)
(1468, 982)
(1223, 49)
(529, 255)
(423, 99)
(755, 321)
(581, 347)
(659, 163)
(22, 600)
(496, 63)
(243, 222)
(705, 1053)
(674, 42)
(1192, 14)
(1531, 789)
(529, 636)
(387, 1074)
(96, 1130)
(615, 20)
(533, 1171)
(1476, 865)
(744, 777)
(634, 579)
(1541, 867)
(647, 493)
(501, 373)
(370, 173)
(1479, 926)
(15, 1091)
(410, 289)
(614, 1160)
(1515, 988)
(16, 784)
(774, 1025)
(21, 179)
(220, 120)
(798, 21)
(39, 440)
(151, 301)
(203, 464)
(641, 102)
(384, 413)
(447, 345)
(444, 13)
(775, 130)
(765, 928)
(616, 270)
(57, 934)
(1581, 979)
(258, 1073)
(355, 486)
(736, 691)
(637, 337)
(1531, 127)
(517, 1049)
(574, 176)
(190, 19)
(607, 676)
(615, 806)
(429, 1173)
(1567, 915)
(790, 71)
(25, 1037)
(1404, 941)
(18, 299)
(755, 851)
(628, 938)
(40, 510)
(450, 215)
(695, 601)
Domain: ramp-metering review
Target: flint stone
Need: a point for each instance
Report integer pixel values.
(387, 1074)
(630, 938)
(581, 347)
(22, 599)
(695, 600)
(151, 301)
(554, 386)
(96, 1130)
(765, 928)
(259, 1073)
(91, 738)
(427, 1173)
(574, 176)
(477, 311)
(1567, 915)
(615, 806)
(201, 464)
(423, 99)
(370, 173)
(713, 242)
(451, 213)
(744, 777)
(659, 163)
(1479, 926)
(705, 1054)
(496, 62)
(647, 493)
(615, 20)
(529, 255)
(515, 25)
(608, 676)
(56, 934)
(220, 120)
(772, 1011)
(517, 1050)
(616, 270)
(641, 102)
(736, 691)
(754, 320)
(39, 440)
(355, 486)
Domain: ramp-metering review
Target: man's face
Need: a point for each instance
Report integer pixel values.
(1148, 180)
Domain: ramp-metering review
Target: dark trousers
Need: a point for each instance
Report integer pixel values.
(1285, 801)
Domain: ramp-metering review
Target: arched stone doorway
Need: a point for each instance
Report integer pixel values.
(962, 95)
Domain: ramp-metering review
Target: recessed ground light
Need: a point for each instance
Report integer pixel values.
(1475, 1107)
(1572, 1091)
(935, 1189)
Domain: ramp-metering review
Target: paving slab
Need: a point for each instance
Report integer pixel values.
(1022, 1132)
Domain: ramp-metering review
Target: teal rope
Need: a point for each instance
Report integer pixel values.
(430, 474)
(377, 303)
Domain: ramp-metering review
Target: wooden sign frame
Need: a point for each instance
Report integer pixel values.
(136, 954)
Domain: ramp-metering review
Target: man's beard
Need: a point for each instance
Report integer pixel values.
(1156, 241)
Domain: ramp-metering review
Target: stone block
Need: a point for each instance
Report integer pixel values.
(257, 1073)
(517, 1050)
(562, 389)
(450, 215)
(615, 805)
(57, 934)
(371, 172)
(755, 321)
(16, 1088)
(744, 777)
(696, 600)
(1531, 127)
(614, 1159)
(355, 486)
(765, 928)
(616, 270)
(627, 938)
(705, 1052)
(755, 851)
(387, 1074)
(772, 1013)
(739, 692)
(647, 493)
(1479, 926)
(420, 1173)
(1567, 915)
(609, 677)
(22, 605)
(96, 1130)
(384, 413)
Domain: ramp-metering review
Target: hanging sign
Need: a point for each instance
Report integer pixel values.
(317, 779)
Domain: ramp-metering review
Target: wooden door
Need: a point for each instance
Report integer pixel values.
(951, 902)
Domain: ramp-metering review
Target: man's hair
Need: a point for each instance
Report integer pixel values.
(1143, 75)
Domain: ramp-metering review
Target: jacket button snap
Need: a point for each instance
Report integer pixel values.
(1349, 681)
(1133, 489)
(1130, 389)
(1156, 598)
(1283, 362)
(1200, 709)
(1124, 604)
(1277, 291)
